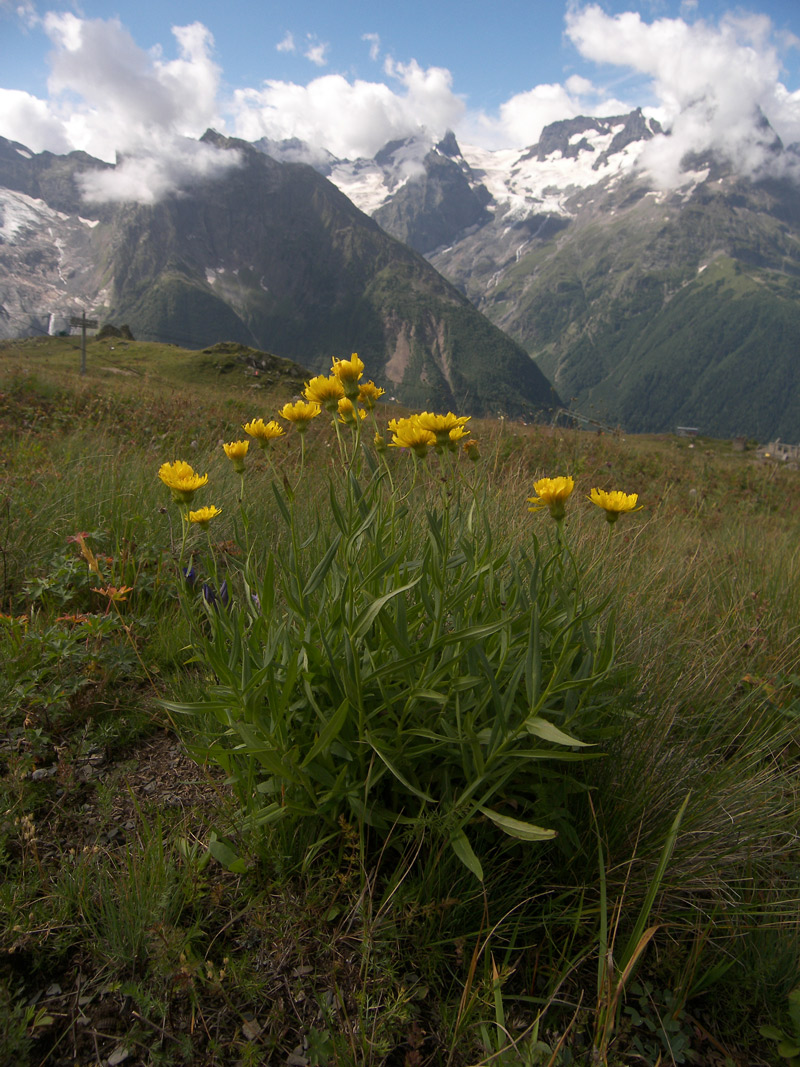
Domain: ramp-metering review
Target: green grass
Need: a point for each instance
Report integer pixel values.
(138, 915)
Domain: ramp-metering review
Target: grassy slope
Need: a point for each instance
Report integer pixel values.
(117, 935)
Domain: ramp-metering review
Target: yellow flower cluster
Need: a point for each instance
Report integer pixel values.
(553, 493)
(348, 398)
(183, 481)
(426, 430)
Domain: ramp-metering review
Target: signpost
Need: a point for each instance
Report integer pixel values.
(85, 324)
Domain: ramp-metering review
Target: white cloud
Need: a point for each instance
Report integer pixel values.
(350, 119)
(30, 121)
(123, 94)
(578, 86)
(522, 117)
(287, 44)
(108, 95)
(317, 51)
(713, 83)
(374, 45)
(151, 175)
(710, 82)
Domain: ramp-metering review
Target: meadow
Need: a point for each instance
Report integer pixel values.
(368, 763)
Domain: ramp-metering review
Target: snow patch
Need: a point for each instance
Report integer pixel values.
(19, 213)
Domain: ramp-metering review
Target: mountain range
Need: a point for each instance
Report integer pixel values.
(269, 254)
(646, 307)
(563, 270)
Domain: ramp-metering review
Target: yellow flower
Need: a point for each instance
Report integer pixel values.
(443, 425)
(458, 433)
(301, 412)
(349, 372)
(203, 516)
(407, 433)
(236, 451)
(181, 479)
(552, 493)
(347, 413)
(615, 503)
(264, 432)
(326, 392)
(472, 450)
(380, 442)
(368, 394)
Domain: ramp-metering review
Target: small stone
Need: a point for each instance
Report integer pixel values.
(251, 1029)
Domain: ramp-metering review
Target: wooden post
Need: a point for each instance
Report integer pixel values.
(85, 324)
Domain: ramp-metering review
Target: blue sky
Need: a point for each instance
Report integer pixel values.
(493, 51)
(348, 77)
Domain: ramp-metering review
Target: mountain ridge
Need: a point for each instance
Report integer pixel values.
(267, 254)
(597, 270)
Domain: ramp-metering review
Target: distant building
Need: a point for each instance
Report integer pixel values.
(687, 431)
(782, 452)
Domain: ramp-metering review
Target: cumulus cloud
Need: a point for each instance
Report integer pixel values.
(714, 84)
(122, 93)
(711, 83)
(350, 119)
(29, 120)
(108, 95)
(521, 119)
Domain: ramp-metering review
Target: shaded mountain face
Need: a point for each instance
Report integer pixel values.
(646, 308)
(270, 255)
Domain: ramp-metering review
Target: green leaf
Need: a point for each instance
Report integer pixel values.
(772, 1032)
(400, 777)
(524, 831)
(549, 732)
(225, 855)
(329, 733)
(463, 849)
(318, 574)
(368, 615)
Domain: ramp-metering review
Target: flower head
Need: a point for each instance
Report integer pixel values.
(615, 502)
(264, 432)
(472, 450)
(203, 516)
(327, 392)
(408, 433)
(552, 493)
(181, 479)
(443, 425)
(236, 451)
(347, 412)
(349, 372)
(458, 433)
(300, 413)
(368, 394)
